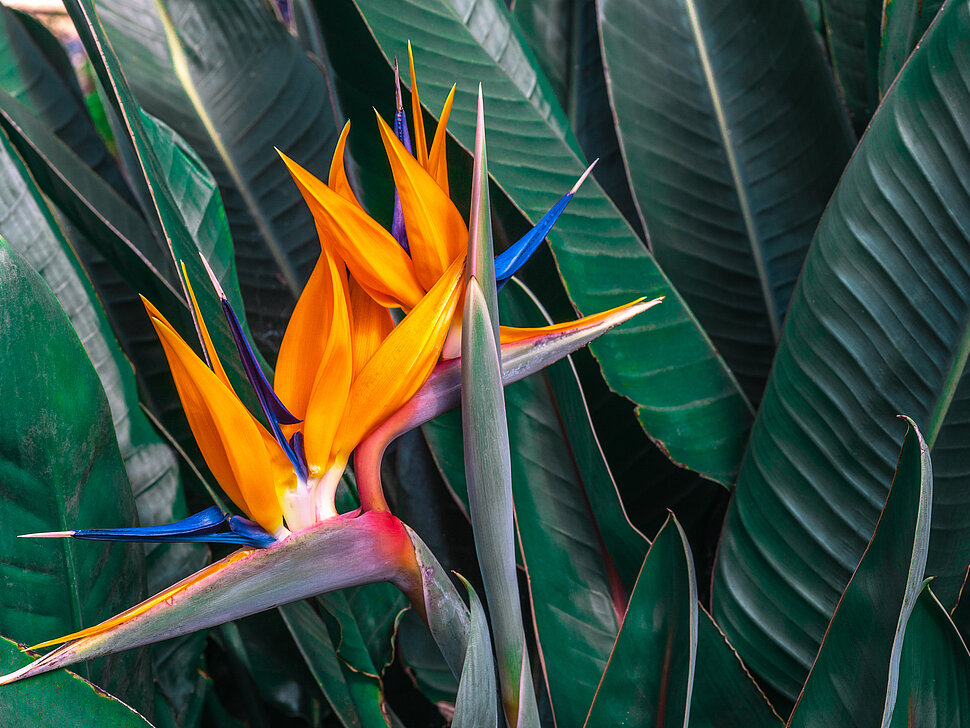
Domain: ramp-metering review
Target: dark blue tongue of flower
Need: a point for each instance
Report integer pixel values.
(208, 526)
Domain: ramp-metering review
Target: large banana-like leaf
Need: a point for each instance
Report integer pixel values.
(151, 466)
(734, 138)
(878, 325)
(858, 662)
(230, 78)
(688, 399)
(184, 197)
(61, 470)
(32, 77)
(564, 37)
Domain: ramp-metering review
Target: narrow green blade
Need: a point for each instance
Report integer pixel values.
(650, 675)
(933, 687)
(857, 660)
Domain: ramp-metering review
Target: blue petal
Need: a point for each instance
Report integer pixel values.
(208, 526)
(508, 262)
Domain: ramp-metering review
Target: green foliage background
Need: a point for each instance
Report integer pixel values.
(715, 522)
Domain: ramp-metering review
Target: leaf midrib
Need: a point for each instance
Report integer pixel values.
(735, 168)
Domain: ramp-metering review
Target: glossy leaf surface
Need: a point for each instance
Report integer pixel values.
(666, 366)
(903, 24)
(859, 656)
(730, 192)
(650, 674)
(184, 197)
(201, 66)
(63, 699)
(877, 326)
(61, 469)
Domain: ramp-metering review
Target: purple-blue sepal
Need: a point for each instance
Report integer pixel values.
(208, 526)
(509, 261)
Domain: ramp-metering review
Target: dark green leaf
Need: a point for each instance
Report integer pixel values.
(650, 674)
(933, 686)
(150, 465)
(903, 24)
(362, 676)
(59, 699)
(857, 660)
(725, 695)
(61, 470)
(852, 28)
(878, 325)
(311, 637)
(730, 191)
(476, 705)
(665, 365)
(183, 193)
(236, 84)
(36, 76)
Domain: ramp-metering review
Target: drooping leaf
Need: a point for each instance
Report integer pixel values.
(62, 699)
(61, 469)
(933, 686)
(730, 192)
(534, 159)
(650, 675)
(858, 660)
(877, 326)
(201, 67)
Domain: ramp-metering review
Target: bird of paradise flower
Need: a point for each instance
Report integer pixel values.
(346, 375)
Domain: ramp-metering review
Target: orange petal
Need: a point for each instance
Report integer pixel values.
(403, 362)
(308, 332)
(438, 160)
(331, 383)
(338, 181)
(372, 324)
(417, 116)
(372, 254)
(436, 232)
(511, 334)
(227, 435)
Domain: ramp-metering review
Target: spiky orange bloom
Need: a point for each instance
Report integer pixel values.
(343, 368)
